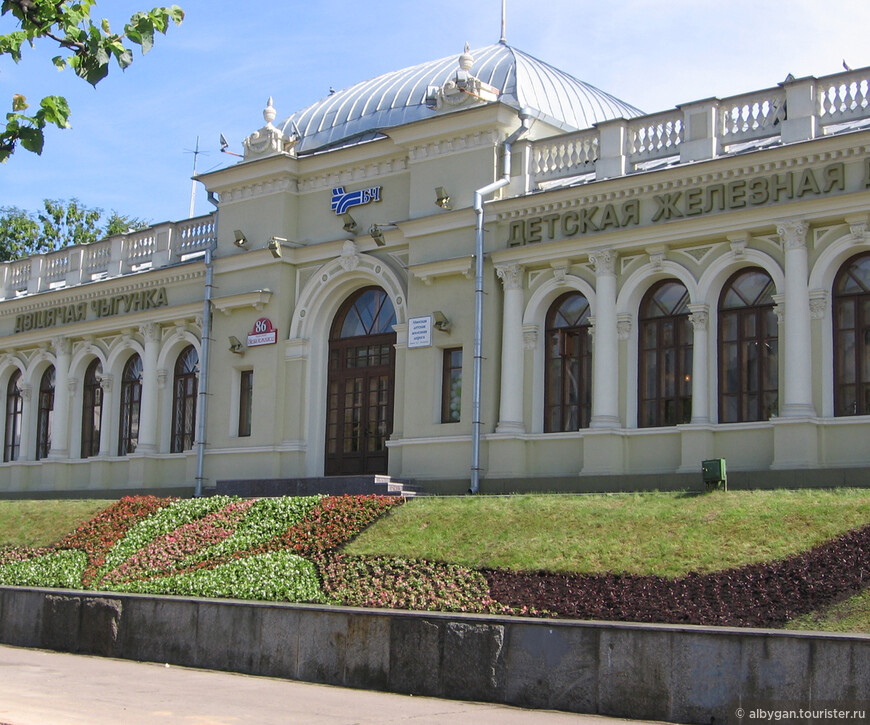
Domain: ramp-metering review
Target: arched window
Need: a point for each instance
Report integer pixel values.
(748, 349)
(131, 399)
(852, 337)
(44, 414)
(14, 406)
(92, 409)
(665, 356)
(184, 400)
(360, 384)
(568, 365)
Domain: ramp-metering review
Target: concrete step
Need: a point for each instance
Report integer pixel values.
(328, 485)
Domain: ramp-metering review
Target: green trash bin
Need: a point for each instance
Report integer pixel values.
(713, 472)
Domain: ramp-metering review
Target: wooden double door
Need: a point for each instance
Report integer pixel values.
(360, 383)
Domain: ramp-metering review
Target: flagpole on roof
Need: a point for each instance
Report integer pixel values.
(502, 39)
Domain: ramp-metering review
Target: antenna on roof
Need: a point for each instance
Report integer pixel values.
(196, 152)
(502, 39)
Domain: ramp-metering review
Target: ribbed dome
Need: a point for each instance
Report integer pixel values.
(364, 110)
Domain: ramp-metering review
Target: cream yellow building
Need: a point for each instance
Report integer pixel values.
(656, 290)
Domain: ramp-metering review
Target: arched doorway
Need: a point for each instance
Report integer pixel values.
(359, 406)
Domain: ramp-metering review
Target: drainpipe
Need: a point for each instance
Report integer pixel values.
(202, 388)
(525, 120)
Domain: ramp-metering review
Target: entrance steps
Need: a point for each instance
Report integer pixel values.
(328, 485)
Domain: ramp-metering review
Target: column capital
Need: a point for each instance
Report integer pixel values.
(61, 345)
(106, 381)
(819, 299)
(699, 316)
(793, 233)
(530, 337)
(26, 391)
(623, 325)
(604, 262)
(150, 331)
(511, 276)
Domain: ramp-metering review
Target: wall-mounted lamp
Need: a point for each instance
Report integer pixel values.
(440, 322)
(442, 198)
(274, 246)
(241, 241)
(236, 345)
(377, 234)
(350, 224)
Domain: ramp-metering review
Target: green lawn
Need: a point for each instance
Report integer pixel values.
(668, 534)
(659, 533)
(40, 523)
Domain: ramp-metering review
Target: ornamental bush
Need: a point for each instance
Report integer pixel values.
(274, 576)
(60, 569)
(101, 533)
(160, 522)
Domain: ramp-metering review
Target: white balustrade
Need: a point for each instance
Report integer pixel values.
(795, 110)
(121, 254)
(568, 155)
(752, 116)
(843, 97)
(654, 137)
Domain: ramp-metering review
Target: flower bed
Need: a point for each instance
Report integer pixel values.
(288, 549)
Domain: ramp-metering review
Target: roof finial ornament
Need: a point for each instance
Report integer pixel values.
(503, 39)
(269, 112)
(466, 60)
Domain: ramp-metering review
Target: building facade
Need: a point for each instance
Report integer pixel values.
(658, 290)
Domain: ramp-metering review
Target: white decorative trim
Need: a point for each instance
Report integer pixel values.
(604, 262)
(530, 337)
(819, 300)
(451, 146)
(358, 174)
(623, 325)
(429, 271)
(656, 255)
(511, 276)
(793, 233)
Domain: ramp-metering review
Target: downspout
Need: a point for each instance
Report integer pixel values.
(202, 388)
(525, 120)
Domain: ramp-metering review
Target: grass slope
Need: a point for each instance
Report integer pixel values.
(470, 553)
(665, 534)
(40, 523)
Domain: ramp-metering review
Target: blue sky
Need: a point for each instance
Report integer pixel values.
(127, 150)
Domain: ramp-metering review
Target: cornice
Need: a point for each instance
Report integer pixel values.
(719, 170)
(257, 299)
(96, 290)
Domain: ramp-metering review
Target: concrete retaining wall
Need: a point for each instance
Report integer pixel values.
(660, 672)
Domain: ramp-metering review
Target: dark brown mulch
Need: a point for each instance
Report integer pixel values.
(755, 595)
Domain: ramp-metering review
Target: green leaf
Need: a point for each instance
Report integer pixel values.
(59, 62)
(55, 109)
(32, 139)
(125, 58)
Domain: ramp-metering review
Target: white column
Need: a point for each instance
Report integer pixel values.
(60, 417)
(510, 419)
(605, 365)
(797, 350)
(106, 414)
(699, 318)
(148, 410)
(24, 452)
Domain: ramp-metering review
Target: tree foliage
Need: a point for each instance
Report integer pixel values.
(59, 224)
(87, 47)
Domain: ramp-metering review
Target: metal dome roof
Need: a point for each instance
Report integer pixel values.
(362, 111)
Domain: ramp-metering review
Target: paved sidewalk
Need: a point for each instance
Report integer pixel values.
(48, 688)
